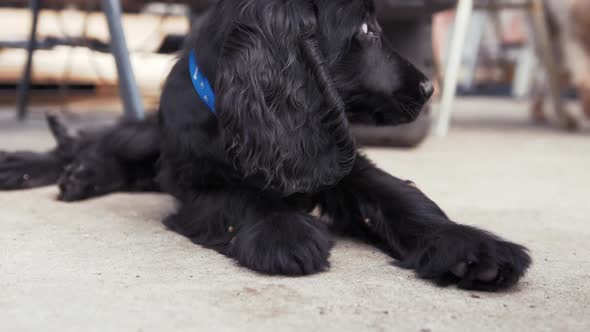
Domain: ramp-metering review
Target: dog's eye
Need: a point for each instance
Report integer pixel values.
(365, 28)
(366, 31)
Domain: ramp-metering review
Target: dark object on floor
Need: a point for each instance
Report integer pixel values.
(280, 143)
(88, 163)
(407, 135)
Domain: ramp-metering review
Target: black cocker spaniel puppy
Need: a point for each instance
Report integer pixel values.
(287, 77)
(254, 133)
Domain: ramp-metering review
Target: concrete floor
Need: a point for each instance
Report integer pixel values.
(109, 265)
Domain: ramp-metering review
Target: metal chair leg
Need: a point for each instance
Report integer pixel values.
(127, 84)
(25, 84)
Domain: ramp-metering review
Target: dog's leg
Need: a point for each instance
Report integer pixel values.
(260, 231)
(395, 215)
(27, 169)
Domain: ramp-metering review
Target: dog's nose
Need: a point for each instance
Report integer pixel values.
(427, 89)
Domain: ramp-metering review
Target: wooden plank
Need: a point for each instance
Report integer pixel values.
(78, 65)
(144, 32)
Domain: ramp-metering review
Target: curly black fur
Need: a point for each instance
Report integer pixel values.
(288, 75)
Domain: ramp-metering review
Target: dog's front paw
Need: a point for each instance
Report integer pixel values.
(469, 257)
(25, 169)
(12, 174)
(287, 244)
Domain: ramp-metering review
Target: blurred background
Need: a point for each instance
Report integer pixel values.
(70, 55)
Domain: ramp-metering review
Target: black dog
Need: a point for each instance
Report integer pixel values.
(288, 76)
(88, 163)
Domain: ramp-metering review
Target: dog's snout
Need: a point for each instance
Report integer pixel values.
(426, 89)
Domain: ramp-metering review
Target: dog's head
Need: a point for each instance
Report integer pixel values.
(377, 85)
(87, 170)
(90, 175)
(102, 161)
(287, 76)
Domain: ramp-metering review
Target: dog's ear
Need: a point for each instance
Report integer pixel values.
(281, 119)
(61, 133)
(334, 118)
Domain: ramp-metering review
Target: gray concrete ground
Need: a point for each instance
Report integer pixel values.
(109, 265)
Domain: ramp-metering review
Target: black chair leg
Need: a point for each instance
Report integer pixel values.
(127, 84)
(25, 84)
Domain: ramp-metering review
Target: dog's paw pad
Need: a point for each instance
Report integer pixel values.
(470, 258)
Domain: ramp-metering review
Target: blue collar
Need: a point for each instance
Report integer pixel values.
(201, 83)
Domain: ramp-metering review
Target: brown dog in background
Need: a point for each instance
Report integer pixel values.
(580, 14)
(569, 27)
